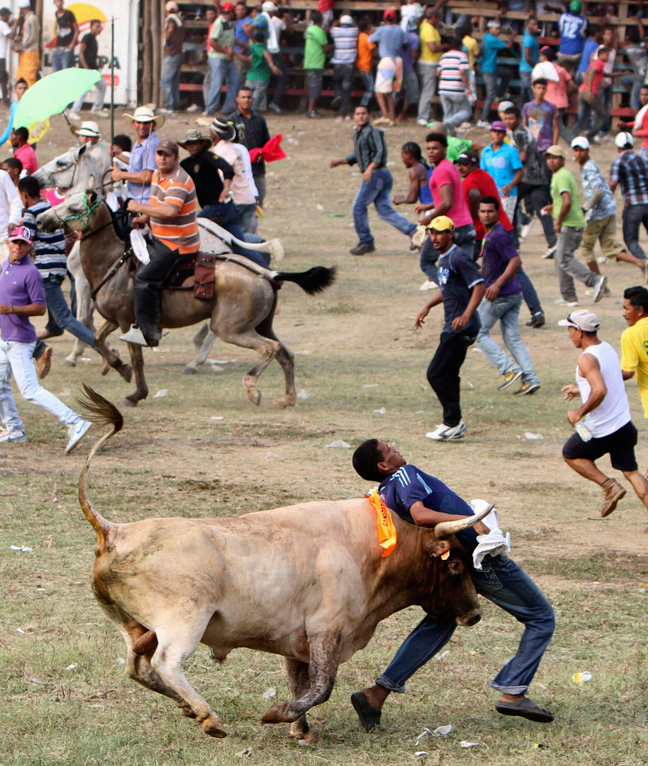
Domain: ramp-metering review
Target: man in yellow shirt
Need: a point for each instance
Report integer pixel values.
(431, 50)
(634, 341)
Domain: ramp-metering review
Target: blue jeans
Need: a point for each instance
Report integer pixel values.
(61, 314)
(62, 58)
(464, 238)
(259, 90)
(506, 309)
(170, 81)
(456, 108)
(529, 293)
(633, 217)
(227, 215)
(504, 583)
(526, 94)
(222, 72)
(368, 83)
(378, 191)
(590, 106)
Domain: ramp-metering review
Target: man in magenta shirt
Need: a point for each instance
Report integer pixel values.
(23, 151)
(448, 199)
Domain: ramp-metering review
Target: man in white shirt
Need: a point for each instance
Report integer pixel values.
(276, 26)
(5, 30)
(10, 210)
(603, 422)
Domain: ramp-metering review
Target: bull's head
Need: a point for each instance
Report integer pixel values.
(450, 594)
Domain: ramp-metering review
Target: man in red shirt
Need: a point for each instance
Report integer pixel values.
(447, 199)
(23, 151)
(589, 96)
(477, 184)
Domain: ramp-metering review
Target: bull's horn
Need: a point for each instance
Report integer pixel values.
(447, 528)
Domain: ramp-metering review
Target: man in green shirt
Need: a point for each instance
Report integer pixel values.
(456, 146)
(569, 225)
(221, 61)
(258, 76)
(314, 58)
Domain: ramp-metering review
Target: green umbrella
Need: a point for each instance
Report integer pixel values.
(53, 94)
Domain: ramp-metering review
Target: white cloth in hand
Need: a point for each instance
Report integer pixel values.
(138, 241)
(495, 543)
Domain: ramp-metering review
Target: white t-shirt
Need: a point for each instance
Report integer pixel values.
(614, 411)
(278, 25)
(5, 29)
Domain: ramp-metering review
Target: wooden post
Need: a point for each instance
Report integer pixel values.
(145, 50)
(156, 59)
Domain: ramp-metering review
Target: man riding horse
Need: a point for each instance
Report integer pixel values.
(171, 213)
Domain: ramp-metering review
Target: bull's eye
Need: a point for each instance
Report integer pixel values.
(456, 566)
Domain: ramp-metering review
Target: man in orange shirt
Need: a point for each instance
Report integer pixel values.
(364, 62)
(171, 213)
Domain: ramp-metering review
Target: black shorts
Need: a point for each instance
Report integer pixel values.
(618, 445)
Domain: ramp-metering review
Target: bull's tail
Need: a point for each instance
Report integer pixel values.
(312, 281)
(101, 413)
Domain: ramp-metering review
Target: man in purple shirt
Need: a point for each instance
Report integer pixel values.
(503, 298)
(22, 295)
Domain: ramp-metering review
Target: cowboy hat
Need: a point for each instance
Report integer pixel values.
(88, 128)
(196, 135)
(145, 114)
(223, 129)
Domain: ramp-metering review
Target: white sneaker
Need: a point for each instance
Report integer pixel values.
(422, 123)
(193, 109)
(428, 285)
(466, 125)
(77, 431)
(74, 116)
(166, 111)
(100, 112)
(445, 433)
(550, 253)
(135, 336)
(526, 229)
(483, 124)
(599, 288)
(12, 435)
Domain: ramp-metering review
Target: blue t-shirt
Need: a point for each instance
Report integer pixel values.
(391, 41)
(573, 31)
(412, 44)
(492, 44)
(589, 50)
(529, 41)
(240, 35)
(458, 274)
(501, 164)
(410, 485)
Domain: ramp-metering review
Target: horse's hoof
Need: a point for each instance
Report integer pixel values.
(285, 401)
(189, 370)
(214, 727)
(253, 393)
(186, 709)
(67, 362)
(129, 402)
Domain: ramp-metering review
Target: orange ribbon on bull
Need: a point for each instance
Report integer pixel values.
(387, 536)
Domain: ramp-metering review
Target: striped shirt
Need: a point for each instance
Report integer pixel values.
(369, 146)
(49, 247)
(630, 171)
(179, 233)
(451, 65)
(346, 44)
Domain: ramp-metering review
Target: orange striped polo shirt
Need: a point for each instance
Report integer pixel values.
(179, 233)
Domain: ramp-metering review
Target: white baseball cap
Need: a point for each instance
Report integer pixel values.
(624, 140)
(584, 320)
(504, 105)
(580, 142)
(269, 6)
(346, 21)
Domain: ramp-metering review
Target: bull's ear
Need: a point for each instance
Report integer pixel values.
(438, 548)
(92, 183)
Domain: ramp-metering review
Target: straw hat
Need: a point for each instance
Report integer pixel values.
(145, 114)
(223, 129)
(196, 135)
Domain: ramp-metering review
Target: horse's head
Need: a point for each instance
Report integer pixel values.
(67, 171)
(76, 211)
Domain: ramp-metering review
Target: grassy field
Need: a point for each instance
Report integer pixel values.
(66, 700)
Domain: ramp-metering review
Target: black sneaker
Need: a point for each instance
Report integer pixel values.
(526, 389)
(361, 249)
(536, 321)
(314, 115)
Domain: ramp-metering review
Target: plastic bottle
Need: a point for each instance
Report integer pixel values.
(583, 431)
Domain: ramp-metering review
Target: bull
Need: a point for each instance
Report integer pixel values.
(307, 582)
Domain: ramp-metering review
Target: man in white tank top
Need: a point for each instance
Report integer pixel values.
(605, 412)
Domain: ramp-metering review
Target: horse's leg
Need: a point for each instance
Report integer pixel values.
(204, 349)
(141, 391)
(299, 685)
(286, 359)
(84, 302)
(199, 337)
(125, 370)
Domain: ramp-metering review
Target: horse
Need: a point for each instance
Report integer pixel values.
(241, 312)
(73, 172)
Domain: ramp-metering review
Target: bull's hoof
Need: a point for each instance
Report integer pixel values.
(286, 401)
(280, 713)
(190, 370)
(214, 727)
(186, 709)
(253, 393)
(69, 361)
(300, 730)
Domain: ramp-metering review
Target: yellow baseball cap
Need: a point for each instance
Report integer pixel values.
(442, 223)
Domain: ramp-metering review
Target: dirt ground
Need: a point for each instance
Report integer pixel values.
(198, 447)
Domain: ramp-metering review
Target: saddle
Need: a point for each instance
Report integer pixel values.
(198, 273)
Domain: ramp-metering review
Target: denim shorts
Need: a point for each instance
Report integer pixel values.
(314, 79)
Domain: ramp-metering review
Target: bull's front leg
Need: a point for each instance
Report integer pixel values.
(300, 685)
(324, 662)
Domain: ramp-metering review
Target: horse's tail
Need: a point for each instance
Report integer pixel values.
(312, 281)
(101, 413)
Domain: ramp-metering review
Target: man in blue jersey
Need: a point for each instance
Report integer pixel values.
(573, 33)
(422, 499)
